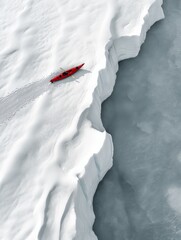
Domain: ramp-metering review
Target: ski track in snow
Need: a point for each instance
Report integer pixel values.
(54, 149)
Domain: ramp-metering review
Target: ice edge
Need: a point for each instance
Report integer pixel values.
(116, 50)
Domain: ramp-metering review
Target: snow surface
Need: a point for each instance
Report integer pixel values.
(142, 192)
(54, 149)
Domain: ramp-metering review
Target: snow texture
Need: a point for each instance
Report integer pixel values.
(54, 149)
(142, 192)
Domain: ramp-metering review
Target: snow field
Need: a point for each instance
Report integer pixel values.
(54, 149)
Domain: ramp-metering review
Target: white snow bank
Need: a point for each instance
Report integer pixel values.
(54, 149)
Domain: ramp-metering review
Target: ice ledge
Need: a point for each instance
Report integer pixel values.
(117, 49)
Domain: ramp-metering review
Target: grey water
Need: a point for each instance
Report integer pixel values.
(140, 197)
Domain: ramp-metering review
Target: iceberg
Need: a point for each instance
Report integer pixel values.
(54, 149)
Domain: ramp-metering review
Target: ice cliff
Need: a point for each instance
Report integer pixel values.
(54, 149)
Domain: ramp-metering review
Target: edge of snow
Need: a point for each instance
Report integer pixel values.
(118, 48)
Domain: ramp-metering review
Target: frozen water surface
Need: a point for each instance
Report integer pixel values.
(140, 197)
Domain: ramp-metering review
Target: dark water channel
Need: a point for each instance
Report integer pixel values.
(140, 197)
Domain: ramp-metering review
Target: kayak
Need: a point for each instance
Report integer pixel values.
(66, 73)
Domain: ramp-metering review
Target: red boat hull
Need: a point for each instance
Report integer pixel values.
(66, 74)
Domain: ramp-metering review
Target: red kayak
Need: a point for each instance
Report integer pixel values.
(66, 74)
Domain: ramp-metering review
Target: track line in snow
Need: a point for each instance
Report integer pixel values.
(18, 99)
(12, 103)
